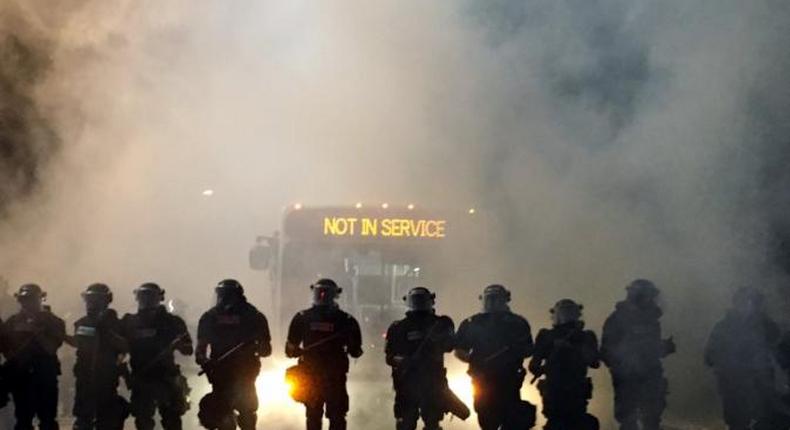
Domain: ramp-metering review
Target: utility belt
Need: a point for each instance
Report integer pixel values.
(419, 377)
(156, 373)
(498, 376)
(584, 388)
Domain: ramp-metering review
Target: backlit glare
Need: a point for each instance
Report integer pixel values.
(274, 392)
(462, 386)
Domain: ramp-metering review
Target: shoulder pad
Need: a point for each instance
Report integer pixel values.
(515, 317)
(445, 319)
(476, 317)
(395, 324)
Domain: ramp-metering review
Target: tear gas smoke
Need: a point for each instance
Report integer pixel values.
(613, 139)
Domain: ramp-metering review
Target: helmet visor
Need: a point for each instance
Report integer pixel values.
(148, 298)
(324, 295)
(419, 302)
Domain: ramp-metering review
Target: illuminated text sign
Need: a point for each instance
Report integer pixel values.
(384, 227)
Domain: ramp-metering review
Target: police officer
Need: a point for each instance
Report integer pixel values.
(740, 351)
(237, 336)
(323, 337)
(495, 343)
(156, 379)
(100, 346)
(33, 337)
(563, 354)
(632, 348)
(415, 350)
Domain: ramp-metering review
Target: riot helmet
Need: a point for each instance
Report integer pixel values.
(420, 299)
(642, 292)
(149, 296)
(229, 293)
(325, 292)
(30, 297)
(495, 298)
(566, 311)
(97, 298)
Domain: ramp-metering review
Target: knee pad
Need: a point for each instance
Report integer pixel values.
(247, 420)
(215, 412)
(337, 423)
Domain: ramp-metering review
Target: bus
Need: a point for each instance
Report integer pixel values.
(376, 254)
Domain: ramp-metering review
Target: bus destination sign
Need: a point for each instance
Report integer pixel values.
(384, 227)
(365, 225)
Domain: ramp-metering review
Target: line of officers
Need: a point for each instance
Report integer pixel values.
(233, 337)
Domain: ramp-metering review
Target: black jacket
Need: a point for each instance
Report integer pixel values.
(32, 341)
(323, 337)
(420, 340)
(153, 336)
(222, 330)
(99, 345)
(565, 352)
(496, 343)
(631, 343)
(739, 345)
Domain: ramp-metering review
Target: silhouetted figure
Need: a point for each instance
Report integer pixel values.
(495, 343)
(415, 350)
(632, 348)
(100, 346)
(740, 351)
(232, 338)
(4, 386)
(33, 337)
(323, 337)
(156, 380)
(563, 354)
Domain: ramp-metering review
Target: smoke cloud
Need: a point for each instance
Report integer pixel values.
(611, 139)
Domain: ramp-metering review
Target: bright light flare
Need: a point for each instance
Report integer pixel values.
(462, 386)
(472, 211)
(274, 392)
(208, 192)
(385, 205)
(298, 206)
(410, 206)
(358, 205)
